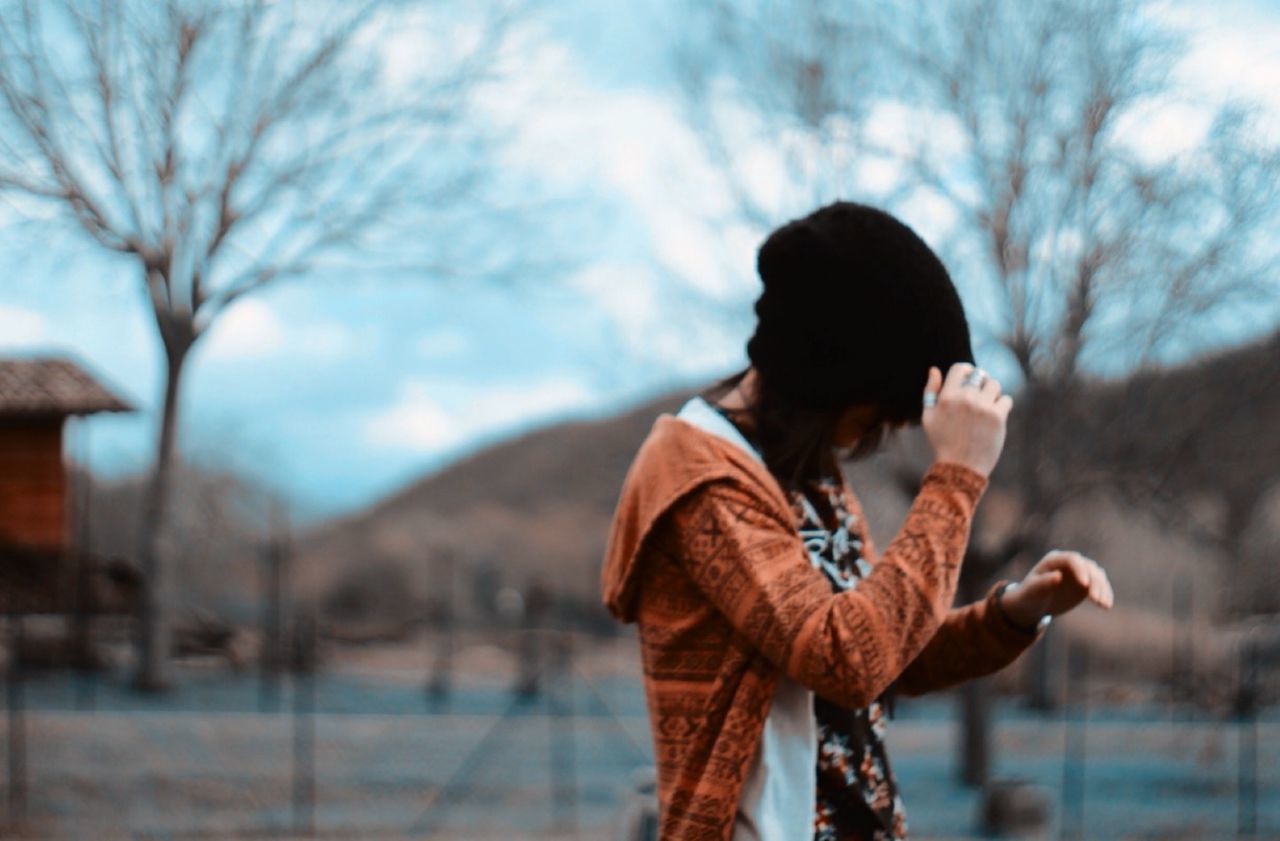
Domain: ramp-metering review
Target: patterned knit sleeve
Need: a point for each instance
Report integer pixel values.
(973, 641)
(847, 646)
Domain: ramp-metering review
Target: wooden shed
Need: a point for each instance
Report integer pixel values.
(37, 395)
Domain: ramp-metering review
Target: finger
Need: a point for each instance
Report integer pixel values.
(1100, 588)
(1073, 561)
(990, 388)
(1050, 577)
(1080, 566)
(1005, 404)
(955, 379)
(1106, 596)
(934, 384)
(1039, 582)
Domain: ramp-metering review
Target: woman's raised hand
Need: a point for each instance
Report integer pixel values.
(1059, 582)
(965, 417)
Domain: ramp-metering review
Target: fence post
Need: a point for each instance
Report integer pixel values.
(1041, 678)
(439, 688)
(1247, 740)
(304, 724)
(559, 696)
(975, 732)
(1073, 768)
(1180, 669)
(273, 571)
(17, 728)
(84, 602)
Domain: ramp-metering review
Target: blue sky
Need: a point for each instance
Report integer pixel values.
(338, 391)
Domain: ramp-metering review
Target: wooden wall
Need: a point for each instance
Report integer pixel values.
(33, 484)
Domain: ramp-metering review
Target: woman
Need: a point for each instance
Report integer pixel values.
(772, 632)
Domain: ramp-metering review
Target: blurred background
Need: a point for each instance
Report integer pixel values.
(328, 330)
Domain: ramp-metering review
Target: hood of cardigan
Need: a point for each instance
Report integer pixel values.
(675, 458)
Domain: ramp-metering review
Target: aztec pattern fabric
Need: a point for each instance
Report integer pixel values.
(857, 796)
(703, 554)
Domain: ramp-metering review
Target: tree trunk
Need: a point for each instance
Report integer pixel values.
(1041, 412)
(975, 710)
(1041, 694)
(975, 732)
(154, 607)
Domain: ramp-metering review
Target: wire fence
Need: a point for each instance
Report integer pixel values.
(337, 749)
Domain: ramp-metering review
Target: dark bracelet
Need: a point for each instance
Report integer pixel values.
(1044, 620)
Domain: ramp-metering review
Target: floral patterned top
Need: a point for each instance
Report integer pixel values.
(857, 796)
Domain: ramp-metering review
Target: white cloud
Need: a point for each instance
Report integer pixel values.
(442, 344)
(422, 420)
(623, 292)
(1161, 131)
(519, 402)
(685, 246)
(631, 142)
(22, 328)
(635, 144)
(898, 126)
(677, 332)
(414, 422)
(250, 329)
(18, 208)
(879, 175)
(1232, 52)
(326, 340)
(677, 312)
(417, 43)
(929, 214)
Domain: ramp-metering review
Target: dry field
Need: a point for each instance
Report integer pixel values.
(209, 763)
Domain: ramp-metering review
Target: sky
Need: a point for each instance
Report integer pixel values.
(339, 390)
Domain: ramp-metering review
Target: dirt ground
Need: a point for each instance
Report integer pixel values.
(381, 759)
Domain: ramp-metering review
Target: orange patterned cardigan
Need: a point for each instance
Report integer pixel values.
(721, 616)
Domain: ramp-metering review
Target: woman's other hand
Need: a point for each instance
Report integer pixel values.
(965, 423)
(1059, 582)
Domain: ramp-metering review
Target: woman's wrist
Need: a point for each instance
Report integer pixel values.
(957, 475)
(1013, 616)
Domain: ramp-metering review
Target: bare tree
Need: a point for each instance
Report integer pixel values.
(1023, 129)
(1201, 469)
(216, 148)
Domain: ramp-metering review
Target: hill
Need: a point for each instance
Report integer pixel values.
(532, 509)
(537, 508)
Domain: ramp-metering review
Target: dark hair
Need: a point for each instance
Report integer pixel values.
(855, 310)
(797, 443)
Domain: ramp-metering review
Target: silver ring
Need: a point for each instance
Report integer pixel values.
(975, 378)
(930, 399)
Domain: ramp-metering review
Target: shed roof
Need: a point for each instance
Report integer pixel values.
(51, 385)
